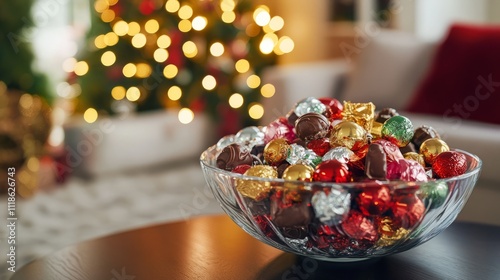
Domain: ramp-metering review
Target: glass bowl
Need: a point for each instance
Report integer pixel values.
(342, 222)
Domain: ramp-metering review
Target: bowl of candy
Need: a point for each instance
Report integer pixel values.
(340, 182)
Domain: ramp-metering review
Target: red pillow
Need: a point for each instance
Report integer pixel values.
(464, 78)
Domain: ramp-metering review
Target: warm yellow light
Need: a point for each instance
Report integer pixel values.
(120, 28)
(199, 23)
(81, 68)
(108, 16)
(228, 17)
(276, 23)
(172, 6)
(99, 42)
(108, 58)
(217, 49)
(189, 48)
(185, 12)
(112, 2)
(111, 39)
(253, 81)
(174, 93)
(90, 115)
(170, 71)
(152, 26)
(209, 82)
(139, 40)
(129, 70)
(255, 111)
(133, 28)
(261, 16)
(236, 100)
(242, 66)
(118, 92)
(133, 94)
(227, 5)
(186, 115)
(160, 55)
(267, 90)
(268, 43)
(252, 30)
(286, 44)
(184, 25)
(101, 5)
(143, 70)
(69, 64)
(163, 41)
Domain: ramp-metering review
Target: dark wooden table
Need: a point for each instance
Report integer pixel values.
(213, 247)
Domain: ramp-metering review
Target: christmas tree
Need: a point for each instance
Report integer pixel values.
(16, 57)
(190, 55)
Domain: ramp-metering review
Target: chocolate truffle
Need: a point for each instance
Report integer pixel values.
(376, 162)
(423, 133)
(312, 126)
(386, 114)
(232, 156)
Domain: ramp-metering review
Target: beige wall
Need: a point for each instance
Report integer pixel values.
(494, 11)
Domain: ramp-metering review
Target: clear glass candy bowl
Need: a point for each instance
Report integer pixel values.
(342, 222)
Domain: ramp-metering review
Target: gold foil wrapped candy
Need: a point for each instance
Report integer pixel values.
(388, 234)
(416, 157)
(276, 151)
(360, 113)
(298, 172)
(348, 134)
(254, 189)
(431, 148)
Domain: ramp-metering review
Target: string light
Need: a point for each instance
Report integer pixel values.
(227, 5)
(108, 58)
(111, 39)
(184, 25)
(185, 12)
(133, 28)
(81, 68)
(120, 28)
(209, 82)
(151, 26)
(253, 81)
(185, 115)
(160, 55)
(174, 93)
(163, 41)
(199, 23)
(242, 66)
(276, 23)
(189, 48)
(129, 70)
(139, 40)
(108, 16)
(266, 45)
(170, 71)
(286, 44)
(99, 42)
(217, 49)
(236, 100)
(143, 70)
(101, 5)
(267, 90)
(261, 15)
(172, 6)
(228, 17)
(118, 93)
(133, 94)
(255, 111)
(90, 115)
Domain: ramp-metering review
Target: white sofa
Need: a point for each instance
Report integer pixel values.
(387, 73)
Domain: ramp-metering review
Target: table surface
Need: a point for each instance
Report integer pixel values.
(213, 247)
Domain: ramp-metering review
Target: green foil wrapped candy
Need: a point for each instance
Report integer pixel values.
(398, 130)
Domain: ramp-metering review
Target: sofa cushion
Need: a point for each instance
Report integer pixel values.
(389, 69)
(464, 79)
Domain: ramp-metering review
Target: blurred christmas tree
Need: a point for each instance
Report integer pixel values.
(191, 55)
(15, 54)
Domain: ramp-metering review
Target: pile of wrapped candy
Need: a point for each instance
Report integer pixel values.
(325, 141)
